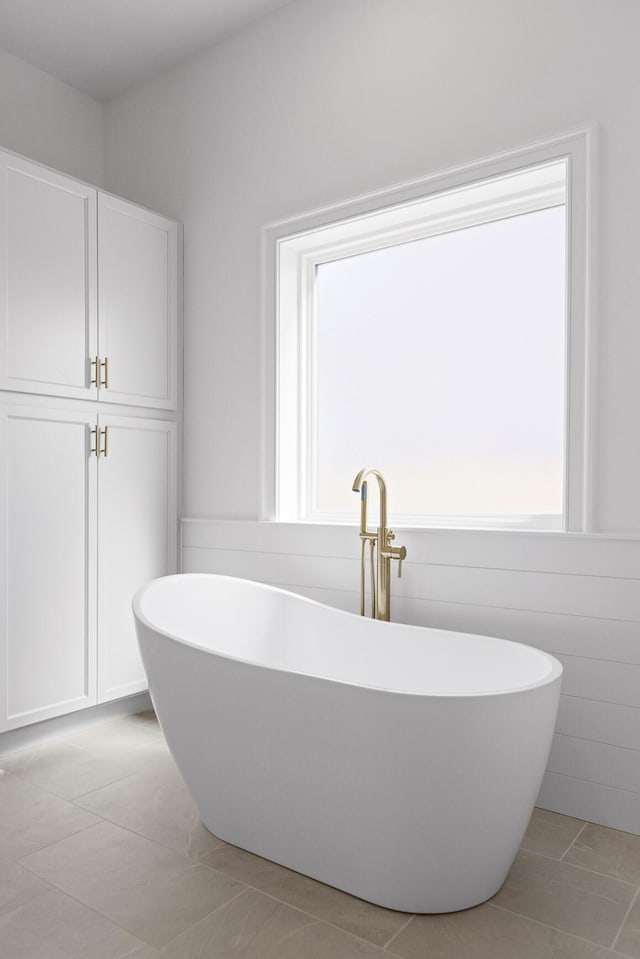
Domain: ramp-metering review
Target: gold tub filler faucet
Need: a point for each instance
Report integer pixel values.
(380, 540)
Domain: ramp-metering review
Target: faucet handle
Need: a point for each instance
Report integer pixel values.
(401, 555)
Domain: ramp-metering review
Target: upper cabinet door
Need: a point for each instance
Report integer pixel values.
(137, 305)
(47, 281)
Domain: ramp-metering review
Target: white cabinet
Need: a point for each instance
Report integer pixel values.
(48, 486)
(137, 304)
(89, 294)
(137, 526)
(88, 291)
(79, 533)
(48, 269)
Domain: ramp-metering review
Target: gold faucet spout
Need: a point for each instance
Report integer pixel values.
(360, 486)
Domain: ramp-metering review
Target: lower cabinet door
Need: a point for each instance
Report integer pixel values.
(137, 529)
(48, 483)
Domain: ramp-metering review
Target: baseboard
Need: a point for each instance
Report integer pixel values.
(62, 725)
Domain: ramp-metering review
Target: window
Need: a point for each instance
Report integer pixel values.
(433, 338)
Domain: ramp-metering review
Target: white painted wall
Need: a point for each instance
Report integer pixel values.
(328, 99)
(48, 121)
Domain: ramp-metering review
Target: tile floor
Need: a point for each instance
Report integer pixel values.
(102, 856)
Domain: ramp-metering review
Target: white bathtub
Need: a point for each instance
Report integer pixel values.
(397, 763)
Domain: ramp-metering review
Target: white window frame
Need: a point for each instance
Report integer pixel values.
(290, 251)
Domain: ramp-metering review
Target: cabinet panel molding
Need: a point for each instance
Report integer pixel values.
(48, 558)
(48, 270)
(137, 304)
(137, 541)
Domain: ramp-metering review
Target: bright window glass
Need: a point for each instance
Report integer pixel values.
(443, 361)
(430, 340)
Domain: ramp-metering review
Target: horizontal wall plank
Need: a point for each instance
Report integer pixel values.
(594, 802)
(596, 762)
(570, 553)
(599, 721)
(589, 620)
(571, 635)
(599, 679)
(293, 538)
(590, 596)
(324, 572)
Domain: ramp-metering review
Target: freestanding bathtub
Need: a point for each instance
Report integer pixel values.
(397, 763)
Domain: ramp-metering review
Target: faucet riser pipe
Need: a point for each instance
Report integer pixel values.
(382, 538)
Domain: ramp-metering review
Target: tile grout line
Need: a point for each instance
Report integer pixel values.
(201, 862)
(328, 922)
(39, 744)
(575, 865)
(190, 926)
(626, 916)
(48, 845)
(90, 792)
(546, 925)
(572, 843)
(401, 929)
(247, 888)
(97, 912)
(193, 860)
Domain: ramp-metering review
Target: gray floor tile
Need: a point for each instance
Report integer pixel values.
(628, 941)
(370, 922)
(487, 932)
(18, 885)
(121, 740)
(55, 925)
(33, 818)
(566, 897)
(147, 889)
(158, 807)
(254, 926)
(608, 851)
(551, 834)
(65, 769)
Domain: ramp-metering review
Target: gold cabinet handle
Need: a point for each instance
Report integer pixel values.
(94, 442)
(104, 436)
(104, 364)
(94, 364)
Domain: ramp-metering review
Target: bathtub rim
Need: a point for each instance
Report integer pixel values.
(554, 675)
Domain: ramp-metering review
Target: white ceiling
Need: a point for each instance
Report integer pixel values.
(103, 47)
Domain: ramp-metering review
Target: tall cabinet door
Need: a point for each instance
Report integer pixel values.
(47, 564)
(137, 538)
(48, 244)
(137, 304)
